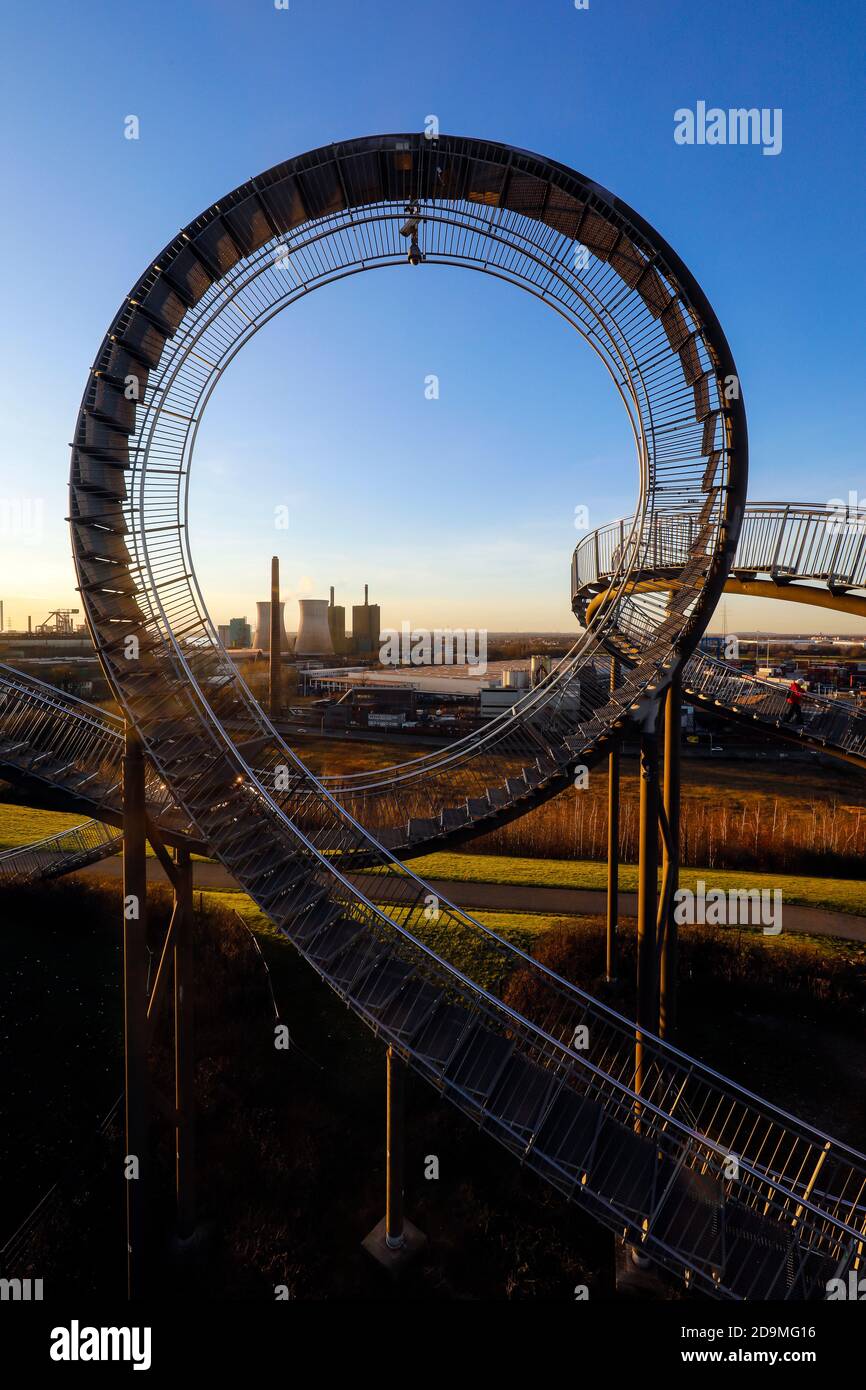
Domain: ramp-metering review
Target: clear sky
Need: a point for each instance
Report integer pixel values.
(457, 511)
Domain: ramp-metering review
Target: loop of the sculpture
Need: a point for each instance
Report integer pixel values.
(358, 206)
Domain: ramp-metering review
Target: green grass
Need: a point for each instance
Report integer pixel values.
(460, 945)
(24, 825)
(21, 825)
(836, 894)
(510, 924)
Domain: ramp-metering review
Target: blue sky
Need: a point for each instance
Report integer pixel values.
(460, 510)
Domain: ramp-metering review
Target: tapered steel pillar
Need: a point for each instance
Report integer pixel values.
(612, 846)
(135, 1030)
(184, 1053)
(671, 859)
(275, 669)
(394, 1241)
(395, 1123)
(647, 903)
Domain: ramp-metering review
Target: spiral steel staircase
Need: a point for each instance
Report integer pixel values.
(806, 553)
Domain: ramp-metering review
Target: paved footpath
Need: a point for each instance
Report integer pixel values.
(509, 897)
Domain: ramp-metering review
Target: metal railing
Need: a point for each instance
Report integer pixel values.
(813, 542)
(59, 854)
(71, 746)
(833, 724)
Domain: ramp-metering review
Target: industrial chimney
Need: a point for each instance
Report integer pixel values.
(276, 639)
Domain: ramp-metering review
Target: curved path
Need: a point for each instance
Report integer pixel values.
(507, 897)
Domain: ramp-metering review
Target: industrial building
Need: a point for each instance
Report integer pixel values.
(365, 627)
(321, 629)
(497, 699)
(423, 699)
(240, 633)
(236, 634)
(320, 615)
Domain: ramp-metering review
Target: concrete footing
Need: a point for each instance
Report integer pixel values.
(394, 1258)
(635, 1275)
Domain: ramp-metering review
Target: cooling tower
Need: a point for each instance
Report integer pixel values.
(262, 637)
(314, 632)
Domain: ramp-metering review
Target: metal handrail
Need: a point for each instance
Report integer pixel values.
(799, 540)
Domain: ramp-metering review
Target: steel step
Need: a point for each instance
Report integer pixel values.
(569, 1130)
(521, 1093)
(381, 984)
(409, 1010)
(331, 940)
(479, 1062)
(438, 1039)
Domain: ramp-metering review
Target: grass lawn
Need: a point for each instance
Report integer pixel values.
(458, 945)
(803, 955)
(22, 825)
(837, 894)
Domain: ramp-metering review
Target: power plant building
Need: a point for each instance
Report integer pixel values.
(314, 631)
(262, 636)
(240, 633)
(321, 628)
(365, 627)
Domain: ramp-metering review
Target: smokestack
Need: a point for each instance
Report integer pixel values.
(332, 595)
(1, 614)
(275, 638)
(366, 589)
(29, 624)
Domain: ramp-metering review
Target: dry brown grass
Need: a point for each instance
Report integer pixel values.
(794, 819)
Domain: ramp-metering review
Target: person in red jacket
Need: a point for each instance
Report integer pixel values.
(794, 711)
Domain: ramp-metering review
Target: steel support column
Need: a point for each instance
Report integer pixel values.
(184, 1053)
(612, 845)
(135, 1027)
(647, 905)
(394, 1241)
(395, 1124)
(670, 860)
